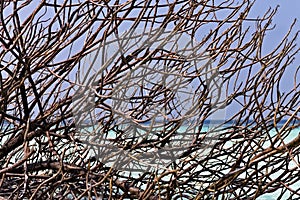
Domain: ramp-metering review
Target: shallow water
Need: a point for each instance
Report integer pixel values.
(269, 196)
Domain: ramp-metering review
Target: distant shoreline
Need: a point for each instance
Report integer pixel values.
(206, 122)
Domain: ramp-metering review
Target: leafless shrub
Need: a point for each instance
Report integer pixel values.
(44, 45)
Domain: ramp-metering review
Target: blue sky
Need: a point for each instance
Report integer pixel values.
(288, 11)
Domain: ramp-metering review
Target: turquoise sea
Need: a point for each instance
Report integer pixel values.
(287, 137)
(295, 186)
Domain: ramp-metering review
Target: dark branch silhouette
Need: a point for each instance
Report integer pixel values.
(57, 115)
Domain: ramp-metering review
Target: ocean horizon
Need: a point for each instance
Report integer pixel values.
(292, 134)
